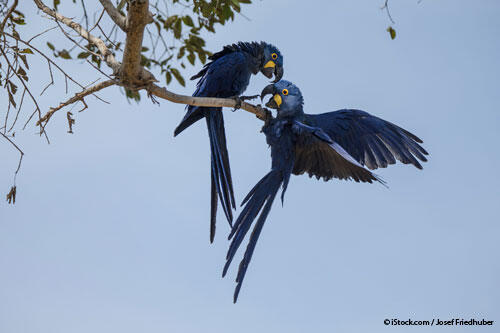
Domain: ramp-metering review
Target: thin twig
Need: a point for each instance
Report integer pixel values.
(7, 15)
(386, 7)
(18, 111)
(41, 33)
(78, 97)
(20, 152)
(51, 80)
(98, 20)
(27, 89)
(115, 15)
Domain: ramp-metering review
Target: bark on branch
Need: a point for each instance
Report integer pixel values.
(7, 15)
(163, 93)
(130, 73)
(137, 18)
(115, 15)
(107, 56)
(78, 97)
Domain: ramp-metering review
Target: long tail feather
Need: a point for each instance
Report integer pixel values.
(218, 174)
(221, 181)
(220, 161)
(193, 114)
(251, 244)
(213, 208)
(260, 199)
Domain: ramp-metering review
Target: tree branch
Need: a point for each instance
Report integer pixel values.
(11, 196)
(107, 56)
(37, 108)
(7, 15)
(50, 61)
(131, 74)
(78, 97)
(163, 93)
(115, 15)
(137, 19)
(386, 7)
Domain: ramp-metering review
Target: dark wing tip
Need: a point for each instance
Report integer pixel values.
(226, 267)
(177, 131)
(236, 292)
(212, 235)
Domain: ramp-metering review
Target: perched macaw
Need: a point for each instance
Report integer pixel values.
(329, 145)
(227, 75)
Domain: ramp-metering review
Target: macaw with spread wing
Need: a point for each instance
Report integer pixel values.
(342, 144)
(227, 75)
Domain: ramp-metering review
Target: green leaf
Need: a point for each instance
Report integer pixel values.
(236, 5)
(18, 20)
(23, 58)
(64, 54)
(188, 21)
(178, 76)
(51, 46)
(170, 21)
(27, 51)
(191, 57)
(177, 29)
(133, 95)
(181, 53)
(83, 55)
(22, 73)
(391, 32)
(226, 12)
(13, 87)
(202, 56)
(121, 4)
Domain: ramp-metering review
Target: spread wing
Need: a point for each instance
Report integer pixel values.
(318, 155)
(370, 140)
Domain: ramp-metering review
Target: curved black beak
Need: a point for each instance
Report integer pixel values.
(278, 73)
(270, 89)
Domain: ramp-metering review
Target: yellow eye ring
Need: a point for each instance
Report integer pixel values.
(274, 56)
(284, 92)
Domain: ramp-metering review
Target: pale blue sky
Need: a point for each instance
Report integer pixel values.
(110, 231)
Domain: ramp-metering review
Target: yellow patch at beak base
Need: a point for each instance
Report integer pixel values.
(270, 63)
(277, 99)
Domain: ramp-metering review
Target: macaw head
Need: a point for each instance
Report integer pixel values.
(272, 62)
(287, 98)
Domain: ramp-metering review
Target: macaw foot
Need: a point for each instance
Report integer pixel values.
(267, 118)
(241, 99)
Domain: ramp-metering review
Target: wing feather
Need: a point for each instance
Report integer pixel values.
(370, 140)
(327, 160)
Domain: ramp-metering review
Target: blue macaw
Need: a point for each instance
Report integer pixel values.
(330, 145)
(227, 75)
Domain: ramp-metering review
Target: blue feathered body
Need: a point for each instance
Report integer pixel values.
(227, 75)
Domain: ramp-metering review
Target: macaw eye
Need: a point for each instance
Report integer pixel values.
(274, 56)
(284, 92)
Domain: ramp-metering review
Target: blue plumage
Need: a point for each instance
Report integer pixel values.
(329, 145)
(227, 75)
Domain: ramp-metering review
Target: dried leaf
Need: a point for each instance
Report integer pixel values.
(391, 32)
(11, 196)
